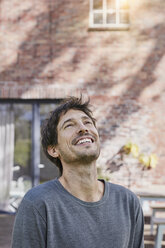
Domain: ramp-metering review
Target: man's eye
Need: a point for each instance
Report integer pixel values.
(69, 125)
(88, 122)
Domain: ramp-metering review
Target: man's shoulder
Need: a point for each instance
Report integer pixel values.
(40, 199)
(122, 191)
(41, 192)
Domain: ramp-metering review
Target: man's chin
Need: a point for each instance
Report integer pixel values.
(88, 158)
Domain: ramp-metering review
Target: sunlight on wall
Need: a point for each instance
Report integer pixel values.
(18, 19)
(124, 3)
(157, 88)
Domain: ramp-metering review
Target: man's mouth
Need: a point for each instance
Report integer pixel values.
(86, 140)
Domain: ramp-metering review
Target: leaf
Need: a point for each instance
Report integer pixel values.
(145, 160)
(153, 160)
(135, 150)
(127, 148)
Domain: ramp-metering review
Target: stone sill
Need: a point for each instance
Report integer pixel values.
(109, 28)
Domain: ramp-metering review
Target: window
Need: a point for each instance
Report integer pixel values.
(109, 14)
(23, 119)
(22, 161)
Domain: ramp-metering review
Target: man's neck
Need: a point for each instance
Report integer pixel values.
(81, 181)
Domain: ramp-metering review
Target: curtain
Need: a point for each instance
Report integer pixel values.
(6, 153)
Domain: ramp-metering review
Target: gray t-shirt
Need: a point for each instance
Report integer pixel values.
(49, 216)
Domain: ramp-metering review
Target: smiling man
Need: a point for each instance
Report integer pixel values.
(77, 210)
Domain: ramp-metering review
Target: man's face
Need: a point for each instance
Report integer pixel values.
(78, 139)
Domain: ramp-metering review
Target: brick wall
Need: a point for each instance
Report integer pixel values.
(47, 52)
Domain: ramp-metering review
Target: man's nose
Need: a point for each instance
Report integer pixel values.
(82, 129)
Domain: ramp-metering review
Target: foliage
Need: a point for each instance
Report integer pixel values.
(133, 160)
(148, 161)
(22, 152)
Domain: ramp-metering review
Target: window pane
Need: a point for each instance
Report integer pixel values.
(111, 4)
(111, 18)
(22, 150)
(6, 153)
(98, 18)
(124, 18)
(97, 4)
(124, 4)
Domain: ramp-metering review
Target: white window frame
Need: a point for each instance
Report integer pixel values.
(114, 26)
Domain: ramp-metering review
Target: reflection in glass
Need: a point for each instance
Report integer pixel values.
(6, 153)
(111, 4)
(98, 18)
(97, 4)
(111, 18)
(22, 149)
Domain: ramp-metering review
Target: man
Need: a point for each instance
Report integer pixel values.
(77, 210)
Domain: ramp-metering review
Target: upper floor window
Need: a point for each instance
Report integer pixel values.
(109, 14)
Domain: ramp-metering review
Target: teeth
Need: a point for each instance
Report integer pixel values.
(84, 141)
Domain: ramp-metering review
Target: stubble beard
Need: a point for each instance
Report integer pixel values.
(80, 157)
(88, 158)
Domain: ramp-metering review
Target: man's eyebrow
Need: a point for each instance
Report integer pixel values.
(86, 117)
(71, 119)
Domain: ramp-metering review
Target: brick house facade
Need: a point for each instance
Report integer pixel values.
(48, 52)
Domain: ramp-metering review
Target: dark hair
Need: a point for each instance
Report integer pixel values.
(49, 135)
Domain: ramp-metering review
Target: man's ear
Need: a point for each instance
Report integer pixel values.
(52, 151)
